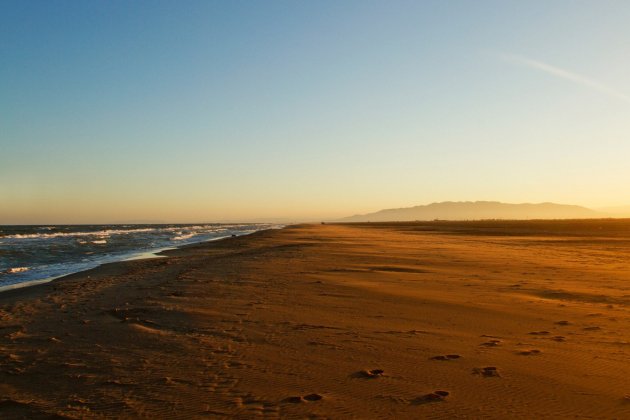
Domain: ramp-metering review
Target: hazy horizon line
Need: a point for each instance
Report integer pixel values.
(610, 211)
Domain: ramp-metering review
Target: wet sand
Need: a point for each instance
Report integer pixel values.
(407, 320)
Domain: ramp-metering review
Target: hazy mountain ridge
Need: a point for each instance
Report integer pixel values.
(477, 210)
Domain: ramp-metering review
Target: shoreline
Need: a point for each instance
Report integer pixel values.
(133, 256)
(343, 321)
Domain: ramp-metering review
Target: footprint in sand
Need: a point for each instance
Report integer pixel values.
(491, 343)
(539, 333)
(434, 396)
(306, 398)
(558, 338)
(446, 357)
(487, 372)
(371, 374)
(313, 397)
(531, 352)
(563, 323)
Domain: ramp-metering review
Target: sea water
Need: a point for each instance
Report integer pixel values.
(31, 254)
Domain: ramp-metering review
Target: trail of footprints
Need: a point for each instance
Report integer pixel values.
(225, 385)
(485, 372)
(253, 405)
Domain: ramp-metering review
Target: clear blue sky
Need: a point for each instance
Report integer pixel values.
(200, 111)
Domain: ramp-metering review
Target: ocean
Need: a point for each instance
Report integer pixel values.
(33, 254)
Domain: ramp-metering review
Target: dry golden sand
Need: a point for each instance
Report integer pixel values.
(507, 320)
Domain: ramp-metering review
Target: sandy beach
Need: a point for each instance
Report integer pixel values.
(402, 320)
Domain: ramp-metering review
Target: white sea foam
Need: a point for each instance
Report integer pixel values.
(183, 236)
(179, 229)
(109, 232)
(17, 270)
(100, 241)
(102, 233)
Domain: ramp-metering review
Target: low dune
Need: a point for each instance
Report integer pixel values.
(401, 320)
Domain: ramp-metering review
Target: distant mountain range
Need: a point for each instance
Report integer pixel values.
(478, 210)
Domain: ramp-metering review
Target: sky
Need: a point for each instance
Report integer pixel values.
(196, 111)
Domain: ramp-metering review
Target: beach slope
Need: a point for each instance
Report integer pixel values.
(407, 320)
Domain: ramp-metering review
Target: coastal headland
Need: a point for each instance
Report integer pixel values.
(495, 319)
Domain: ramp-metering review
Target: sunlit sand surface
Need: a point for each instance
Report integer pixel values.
(412, 320)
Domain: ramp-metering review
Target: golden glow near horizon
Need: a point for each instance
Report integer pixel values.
(309, 111)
